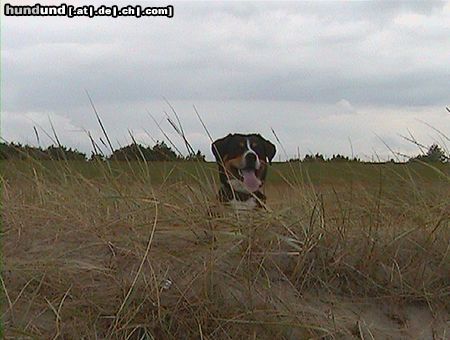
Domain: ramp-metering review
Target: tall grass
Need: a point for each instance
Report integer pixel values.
(124, 252)
(139, 250)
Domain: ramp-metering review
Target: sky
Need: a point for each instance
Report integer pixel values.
(355, 78)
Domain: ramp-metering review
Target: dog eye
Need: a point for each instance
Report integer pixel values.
(241, 144)
(254, 144)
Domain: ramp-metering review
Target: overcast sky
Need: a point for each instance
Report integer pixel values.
(328, 77)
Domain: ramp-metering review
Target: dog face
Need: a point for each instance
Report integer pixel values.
(243, 160)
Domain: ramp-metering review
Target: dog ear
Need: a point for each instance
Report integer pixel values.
(219, 147)
(269, 149)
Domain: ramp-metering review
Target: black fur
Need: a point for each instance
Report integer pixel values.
(231, 146)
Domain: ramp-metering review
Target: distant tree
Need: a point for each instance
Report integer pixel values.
(19, 151)
(132, 152)
(164, 152)
(319, 157)
(63, 153)
(314, 158)
(308, 158)
(339, 158)
(96, 157)
(196, 157)
(434, 155)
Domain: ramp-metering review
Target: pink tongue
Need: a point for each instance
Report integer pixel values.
(250, 180)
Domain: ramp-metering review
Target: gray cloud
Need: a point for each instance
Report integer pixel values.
(251, 65)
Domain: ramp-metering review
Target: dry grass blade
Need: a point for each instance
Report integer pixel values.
(99, 121)
(141, 250)
(139, 271)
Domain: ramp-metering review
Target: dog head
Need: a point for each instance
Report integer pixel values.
(243, 160)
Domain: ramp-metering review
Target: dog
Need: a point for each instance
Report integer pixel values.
(242, 161)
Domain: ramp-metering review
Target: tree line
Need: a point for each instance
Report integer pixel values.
(132, 152)
(162, 152)
(434, 154)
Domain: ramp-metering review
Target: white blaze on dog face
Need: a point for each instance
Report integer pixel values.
(250, 151)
